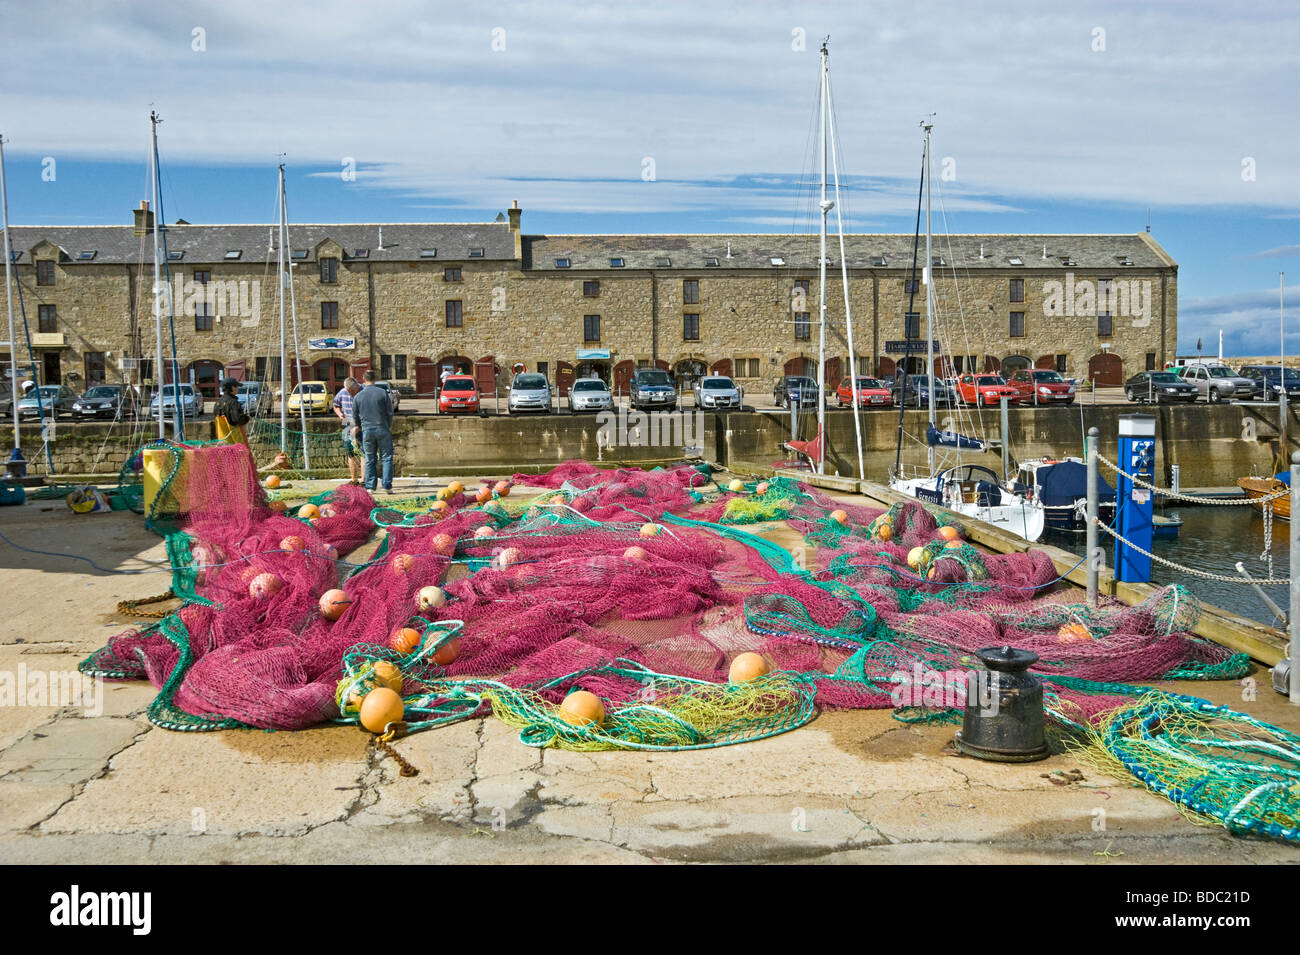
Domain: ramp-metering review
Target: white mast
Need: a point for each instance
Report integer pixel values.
(844, 281)
(157, 276)
(1281, 329)
(9, 298)
(929, 297)
(284, 358)
(285, 251)
(821, 300)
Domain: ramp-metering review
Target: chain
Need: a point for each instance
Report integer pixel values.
(1190, 497)
(403, 766)
(1268, 539)
(128, 607)
(1189, 570)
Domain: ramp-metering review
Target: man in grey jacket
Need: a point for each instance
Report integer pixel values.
(372, 424)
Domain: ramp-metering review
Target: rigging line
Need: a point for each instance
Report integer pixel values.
(171, 304)
(977, 418)
(804, 196)
(31, 358)
(911, 301)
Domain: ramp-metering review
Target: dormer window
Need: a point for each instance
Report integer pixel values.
(711, 263)
(428, 253)
(663, 263)
(299, 253)
(880, 262)
(360, 253)
(176, 256)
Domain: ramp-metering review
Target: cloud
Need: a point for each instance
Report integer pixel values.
(1250, 323)
(1279, 252)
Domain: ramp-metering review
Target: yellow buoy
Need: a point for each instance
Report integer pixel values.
(746, 667)
(386, 674)
(380, 707)
(581, 708)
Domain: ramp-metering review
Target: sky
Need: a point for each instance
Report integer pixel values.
(686, 117)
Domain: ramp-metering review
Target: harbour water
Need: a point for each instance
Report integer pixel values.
(1212, 539)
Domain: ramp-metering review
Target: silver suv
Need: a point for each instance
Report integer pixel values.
(1218, 382)
(529, 392)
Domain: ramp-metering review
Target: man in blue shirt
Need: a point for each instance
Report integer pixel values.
(343, 409)
(372, 423)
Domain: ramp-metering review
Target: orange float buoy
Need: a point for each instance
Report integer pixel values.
(402, 564)
(308, 511)
(447, 653)
(440, 508)
(949, 533)
(264, 585)
(455, 487)
(581, 708)
(840, 517)
(333, 603)
(405, 640)
(331, 552)
(507, 557)
(885, 531)
(279, 507)
(952, 545)
(328, 510)
(650, 530)
(430, 597)
(386, 674)
(746, 667)
(1073, 633)
(502, 488)
(760, 487)
(485, 531)
(272, 480)
(635, 553)
(292, 542)
(444, 544)
(443, 494)
(380, 707)
(483, 495)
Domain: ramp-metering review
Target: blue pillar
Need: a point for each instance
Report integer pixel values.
(1135, 505)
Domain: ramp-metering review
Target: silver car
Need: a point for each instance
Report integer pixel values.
(590, 394)
(529, 392)
(718, 392)
(1218, 382)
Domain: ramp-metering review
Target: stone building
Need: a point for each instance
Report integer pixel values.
(411, 299)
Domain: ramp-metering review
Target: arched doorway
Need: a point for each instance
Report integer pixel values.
(991, 365)
(623, 376)
(1014, 363)
(563, 378)
(804, 367)
(1045, 362)
(207, 377)
(687, 372)
(1106, 370)
(722, 367)
(914, 365)
(884, 367)
(332, 371)
(598, 369)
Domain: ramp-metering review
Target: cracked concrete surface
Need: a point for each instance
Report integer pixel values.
(851, 787)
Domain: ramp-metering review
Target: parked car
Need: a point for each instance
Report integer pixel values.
(106, 401)
(717, 392)
(984, 390)
(590, 394)
(652, 388)
(1269, 380)
(311, 397)
(54, 400)
(191, 401)
(459, 395)
(871, 393)
(1043, 386)
(1217, 382)
(918, 391)
(1161, 387)
(532, 392)
(254, 398)
(796, 389)
(394, 398)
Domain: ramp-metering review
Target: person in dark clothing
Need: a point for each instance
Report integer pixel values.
(372, 425)
(228, 405)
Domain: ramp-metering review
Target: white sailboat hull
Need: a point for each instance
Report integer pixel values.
(1022, 518)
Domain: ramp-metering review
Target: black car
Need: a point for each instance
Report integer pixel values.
(918, 391)
(802, 391)
(1160, 387)
(105, 401)
(652, 389)
(1268, 379)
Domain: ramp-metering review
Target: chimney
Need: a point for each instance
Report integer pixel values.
(143, 218)
(515, 212)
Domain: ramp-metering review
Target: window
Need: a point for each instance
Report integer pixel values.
(1015, 260)
(233, 253)
(86, 256)
(912, 325)
(616, 263)
(385, 367)
(1151, 361)
(1017, 324)
(94, 364)
(691, 292)
(299, 253)
(455, 313)
(176, 256)
(267, 370)
(591, 328)
(451, 273)
(802, 327)
(776, 260)
(48, 319)
(202, 277)
(691, 327)
(643, 362)
(399, 366)
(744, 367)
(712, 263)
(911, 285)
(1060, 363)
(1105, 327)
(45, 272)
(203, 316)
(360, 253)
(329, 314)
(1017, 290)
(562, 263)
(329, 270)
(591, 288)
(544, 368)
(428, 253)
(476, 253)
(663, 262)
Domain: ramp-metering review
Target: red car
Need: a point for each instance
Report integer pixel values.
(1041, 386)
(984, 390)
(870, 392)
(459, 394)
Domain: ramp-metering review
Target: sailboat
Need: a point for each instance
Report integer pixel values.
(969, 489)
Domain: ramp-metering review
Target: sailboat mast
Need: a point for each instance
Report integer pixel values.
(821, 299)
(1281, 329)
(284, 358)
(9, 299)
(293, 307)
(157, 276)
(844, 282)
(929, 297)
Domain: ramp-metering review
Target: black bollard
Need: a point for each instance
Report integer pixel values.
(1003, 721)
